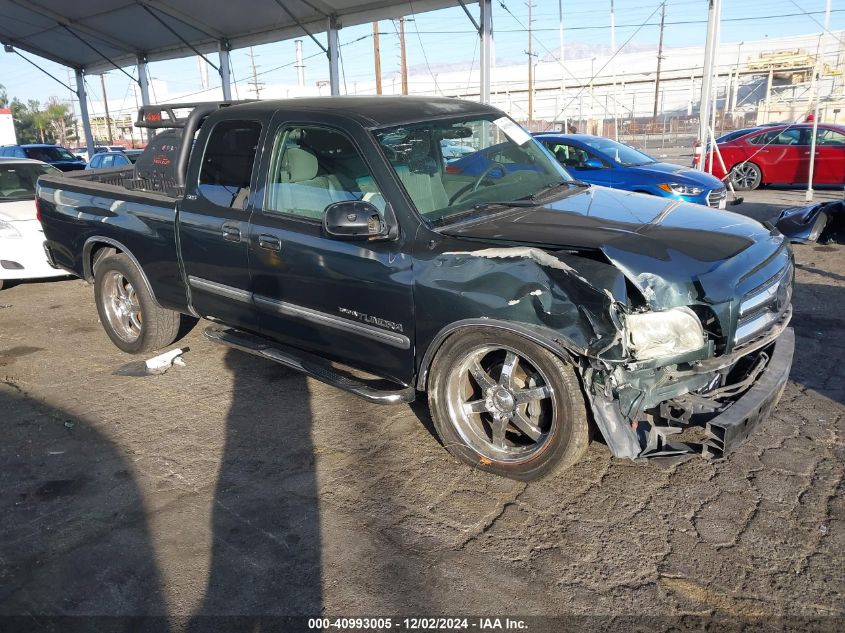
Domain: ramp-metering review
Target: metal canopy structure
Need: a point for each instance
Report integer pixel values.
(96, 36)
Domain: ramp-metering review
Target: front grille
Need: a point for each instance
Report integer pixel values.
(715, 196)
(763, 306)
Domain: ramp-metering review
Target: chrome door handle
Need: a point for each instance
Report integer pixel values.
(231, 233)
(270, 242)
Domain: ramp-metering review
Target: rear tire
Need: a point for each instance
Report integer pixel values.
(506, 405)
(128, 312)
(746, 176)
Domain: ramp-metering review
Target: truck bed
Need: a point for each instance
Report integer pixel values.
(125, 178)
(88, 210)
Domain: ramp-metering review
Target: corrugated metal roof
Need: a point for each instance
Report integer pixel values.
(69, 32)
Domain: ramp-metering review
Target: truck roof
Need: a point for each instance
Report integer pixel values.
(381, 111)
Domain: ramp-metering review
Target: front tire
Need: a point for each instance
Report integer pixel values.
(746, 176)
(128, 312)
(506, 405)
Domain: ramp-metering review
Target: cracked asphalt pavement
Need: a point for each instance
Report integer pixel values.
(233, 486)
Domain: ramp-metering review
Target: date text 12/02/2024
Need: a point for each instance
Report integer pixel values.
(417, 624)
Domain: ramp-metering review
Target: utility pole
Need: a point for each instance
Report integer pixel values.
(203, 70)
(300, 65)
(404, 60)
(530, 52)
(377, 55)
(106, 107)
(256, 85)
(659, 61)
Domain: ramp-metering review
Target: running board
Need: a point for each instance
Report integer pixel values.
(308, 364)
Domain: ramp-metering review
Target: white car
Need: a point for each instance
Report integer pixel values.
(21, 237)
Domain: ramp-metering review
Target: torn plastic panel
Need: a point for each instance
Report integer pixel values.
(822, 223)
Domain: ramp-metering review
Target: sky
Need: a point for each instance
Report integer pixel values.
(442, 38)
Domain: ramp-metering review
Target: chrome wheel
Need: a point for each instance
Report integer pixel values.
(745, 176)
(122, 306)
(501, 404)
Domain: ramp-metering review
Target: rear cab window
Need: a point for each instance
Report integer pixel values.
(228, 162)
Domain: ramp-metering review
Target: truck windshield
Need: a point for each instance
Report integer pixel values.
(17, 180)
(450, 167)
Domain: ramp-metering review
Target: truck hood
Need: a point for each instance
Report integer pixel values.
(676, 253)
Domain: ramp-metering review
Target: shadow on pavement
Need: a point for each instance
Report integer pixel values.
(74, 539)
(265, 559)
(819, 321)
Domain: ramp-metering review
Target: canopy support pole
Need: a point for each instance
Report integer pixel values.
(486, 33)
(144, 83)
(83, 111)
(333, 54)
(143, 79)
(225, 70)
(710, 45)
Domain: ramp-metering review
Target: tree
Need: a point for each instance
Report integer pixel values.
(60, 121)
(4, 98)
(24, 127)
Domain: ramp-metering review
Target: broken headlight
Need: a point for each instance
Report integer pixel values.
(662, 334)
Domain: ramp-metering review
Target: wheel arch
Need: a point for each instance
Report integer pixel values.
(98, 246)
(549, 339)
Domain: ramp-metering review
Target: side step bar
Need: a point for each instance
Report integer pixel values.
(308, 364)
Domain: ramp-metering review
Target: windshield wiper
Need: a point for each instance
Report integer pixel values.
(548, 188)
(506, 203)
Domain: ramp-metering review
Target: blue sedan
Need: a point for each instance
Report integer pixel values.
(602, 161)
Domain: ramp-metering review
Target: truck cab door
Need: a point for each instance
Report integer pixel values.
(213, 220)
(346, 300)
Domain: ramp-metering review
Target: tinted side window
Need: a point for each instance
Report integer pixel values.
(95, 162)
(19, 153)
(227, 163)
(792, 136)
(830, 137)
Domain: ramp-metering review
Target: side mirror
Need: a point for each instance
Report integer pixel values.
(353, 219)
(593, 163)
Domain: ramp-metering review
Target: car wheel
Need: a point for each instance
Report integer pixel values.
(504, 404)
(128, 312)
(746, 176)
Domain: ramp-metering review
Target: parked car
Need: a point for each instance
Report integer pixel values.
(603, 161)
(322, 230)
(112, 160)
(780, 154)
(82, 152)
(54, 155)
(451, 150)
(21, 238)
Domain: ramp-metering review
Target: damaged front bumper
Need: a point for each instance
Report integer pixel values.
(707, 410)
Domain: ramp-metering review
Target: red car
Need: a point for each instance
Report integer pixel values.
(781, 155)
